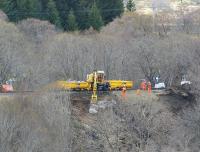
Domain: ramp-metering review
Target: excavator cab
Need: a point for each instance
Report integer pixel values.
(99, 79)
(100, 76)
(102, 85)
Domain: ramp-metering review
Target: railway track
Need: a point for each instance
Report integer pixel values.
(85, 92)
(74, 95)
(77, 95)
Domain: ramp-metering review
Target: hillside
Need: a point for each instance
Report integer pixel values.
(40, 116)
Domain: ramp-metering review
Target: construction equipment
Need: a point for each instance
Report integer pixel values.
(94, 83)
(6, 88)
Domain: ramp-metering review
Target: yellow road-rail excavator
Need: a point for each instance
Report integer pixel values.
(94, 83)
(95, 80)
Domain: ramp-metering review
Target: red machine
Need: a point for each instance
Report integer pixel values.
(6, 88)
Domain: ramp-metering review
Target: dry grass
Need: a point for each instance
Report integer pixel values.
(143, 96)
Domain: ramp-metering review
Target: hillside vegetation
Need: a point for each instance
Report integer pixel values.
(133, 47)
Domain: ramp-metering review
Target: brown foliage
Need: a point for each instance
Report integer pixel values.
(35, 123)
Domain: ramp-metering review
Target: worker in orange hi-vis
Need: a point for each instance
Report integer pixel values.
(124, 92)
(149, 88)
(143, 85)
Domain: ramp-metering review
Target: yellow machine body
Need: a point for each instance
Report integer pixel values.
(119, 84)
(69, 85)
(93, 79)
